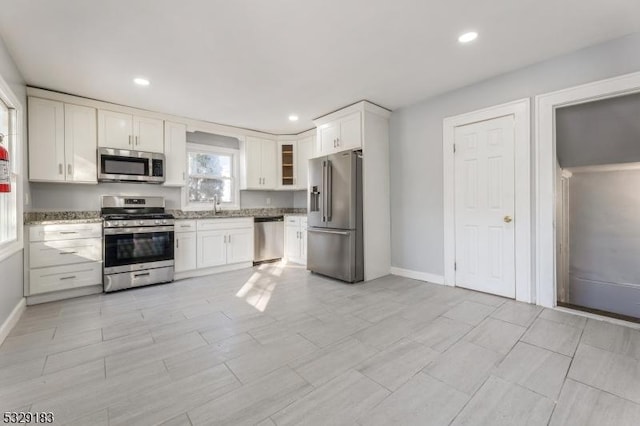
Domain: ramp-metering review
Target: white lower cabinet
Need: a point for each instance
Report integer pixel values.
(185, 251)
(212, 243)
(64, 257)
(295, 239)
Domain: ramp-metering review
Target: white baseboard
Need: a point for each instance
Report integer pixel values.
(12, 320)
(210, 271)
(421, 276)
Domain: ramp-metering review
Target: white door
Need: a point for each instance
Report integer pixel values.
(80, 141)
(292, 241)
(269, 164)
(46, 140)
(350, 133)
(253, 162)
(148, 134)
(305, 152)
(240, 245)
(212, 248)
(175, 152)
(115, 130)
(328, 138)
(185, 251)
(484, 206)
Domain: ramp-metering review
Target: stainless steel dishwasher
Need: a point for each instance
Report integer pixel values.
(268, 238)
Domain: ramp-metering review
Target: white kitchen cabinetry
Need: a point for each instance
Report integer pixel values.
(125, 131)
(295, 244)
(223, 242)
(64, 257)
(303, 155)
(344, 133)
(185, 248)
(62, 142)
(260, 163)
(175, 151)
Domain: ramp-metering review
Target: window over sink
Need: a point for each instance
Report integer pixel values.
(212, 178)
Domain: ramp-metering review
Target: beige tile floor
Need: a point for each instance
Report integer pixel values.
(277, 345)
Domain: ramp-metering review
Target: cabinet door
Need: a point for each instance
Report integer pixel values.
(211, 248)
(185, 251)
(81, 143)
(327, 138)
(303, 154)
(148, 134)
(269, 164)
(175, 151)
(240, 245)
(115, 130)
(292, 242)
(253, 162)
(287, 152)
(46, 140)
(350, 132)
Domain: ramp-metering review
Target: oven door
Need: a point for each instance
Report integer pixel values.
(133, 249)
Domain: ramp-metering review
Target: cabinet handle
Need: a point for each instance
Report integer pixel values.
(130, 140)
(137, 142)
(183, 176)
(225, 239)
(70, 170)
(145, 274)
(67, 252)
(337, 142)
(60, 171)
(67, 278)
(229, 239)
(68, 232)
(177, 243)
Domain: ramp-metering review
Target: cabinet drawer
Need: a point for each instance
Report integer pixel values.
(57, 278)
(185, 225)
(292, 220)
(217, 224)
(65, 232)
(65, 252)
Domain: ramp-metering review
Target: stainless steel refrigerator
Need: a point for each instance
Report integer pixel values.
(334, 234)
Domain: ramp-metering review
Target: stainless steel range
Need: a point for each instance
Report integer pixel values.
(138, 242)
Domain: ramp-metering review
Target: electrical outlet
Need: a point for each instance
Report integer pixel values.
(27, 199)
(268, 201)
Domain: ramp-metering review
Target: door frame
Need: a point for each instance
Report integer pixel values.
(546, 174)
(520, 109)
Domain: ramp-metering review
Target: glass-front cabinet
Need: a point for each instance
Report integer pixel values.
(287, 161)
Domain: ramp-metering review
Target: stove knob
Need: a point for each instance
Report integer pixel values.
(157, 222)
(165, 221)
(121, 224)
(141, 222)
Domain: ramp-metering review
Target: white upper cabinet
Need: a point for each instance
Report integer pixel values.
(175, 151)
(62, 142)
(342, 134)
(80, 141)
(125, 131)
(304, 153)
(260, 163)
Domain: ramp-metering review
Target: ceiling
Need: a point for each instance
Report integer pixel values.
(251, 63)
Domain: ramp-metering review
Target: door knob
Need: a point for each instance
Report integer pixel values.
(508, 219)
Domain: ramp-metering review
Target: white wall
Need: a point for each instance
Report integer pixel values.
(416, 141)
(11, 270)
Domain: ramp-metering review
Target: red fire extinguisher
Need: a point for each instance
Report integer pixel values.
(5, 175)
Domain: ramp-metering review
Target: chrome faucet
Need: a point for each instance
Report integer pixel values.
(216, 202)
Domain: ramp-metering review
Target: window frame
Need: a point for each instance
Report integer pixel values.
(16, 150)
(235, 178)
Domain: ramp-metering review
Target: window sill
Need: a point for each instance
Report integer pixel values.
(192, 208)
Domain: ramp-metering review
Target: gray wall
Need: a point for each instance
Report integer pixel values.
(601, 132)
(417, 239)
(11, 269)
(604, 233)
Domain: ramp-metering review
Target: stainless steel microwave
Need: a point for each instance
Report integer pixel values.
(120, 165)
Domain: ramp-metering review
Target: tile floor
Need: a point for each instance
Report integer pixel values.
(277, 345)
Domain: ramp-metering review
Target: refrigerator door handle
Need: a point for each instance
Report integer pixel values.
(327, 231)
(324, 191)
(329, 190)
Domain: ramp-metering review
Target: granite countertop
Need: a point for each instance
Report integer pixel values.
(224, 214)
(53, 218)
(56, 218)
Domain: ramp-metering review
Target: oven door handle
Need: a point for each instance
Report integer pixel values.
(138, 230)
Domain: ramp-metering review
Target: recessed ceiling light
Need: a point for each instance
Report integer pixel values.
(293, 117)
(141, 81)
(467, 37)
